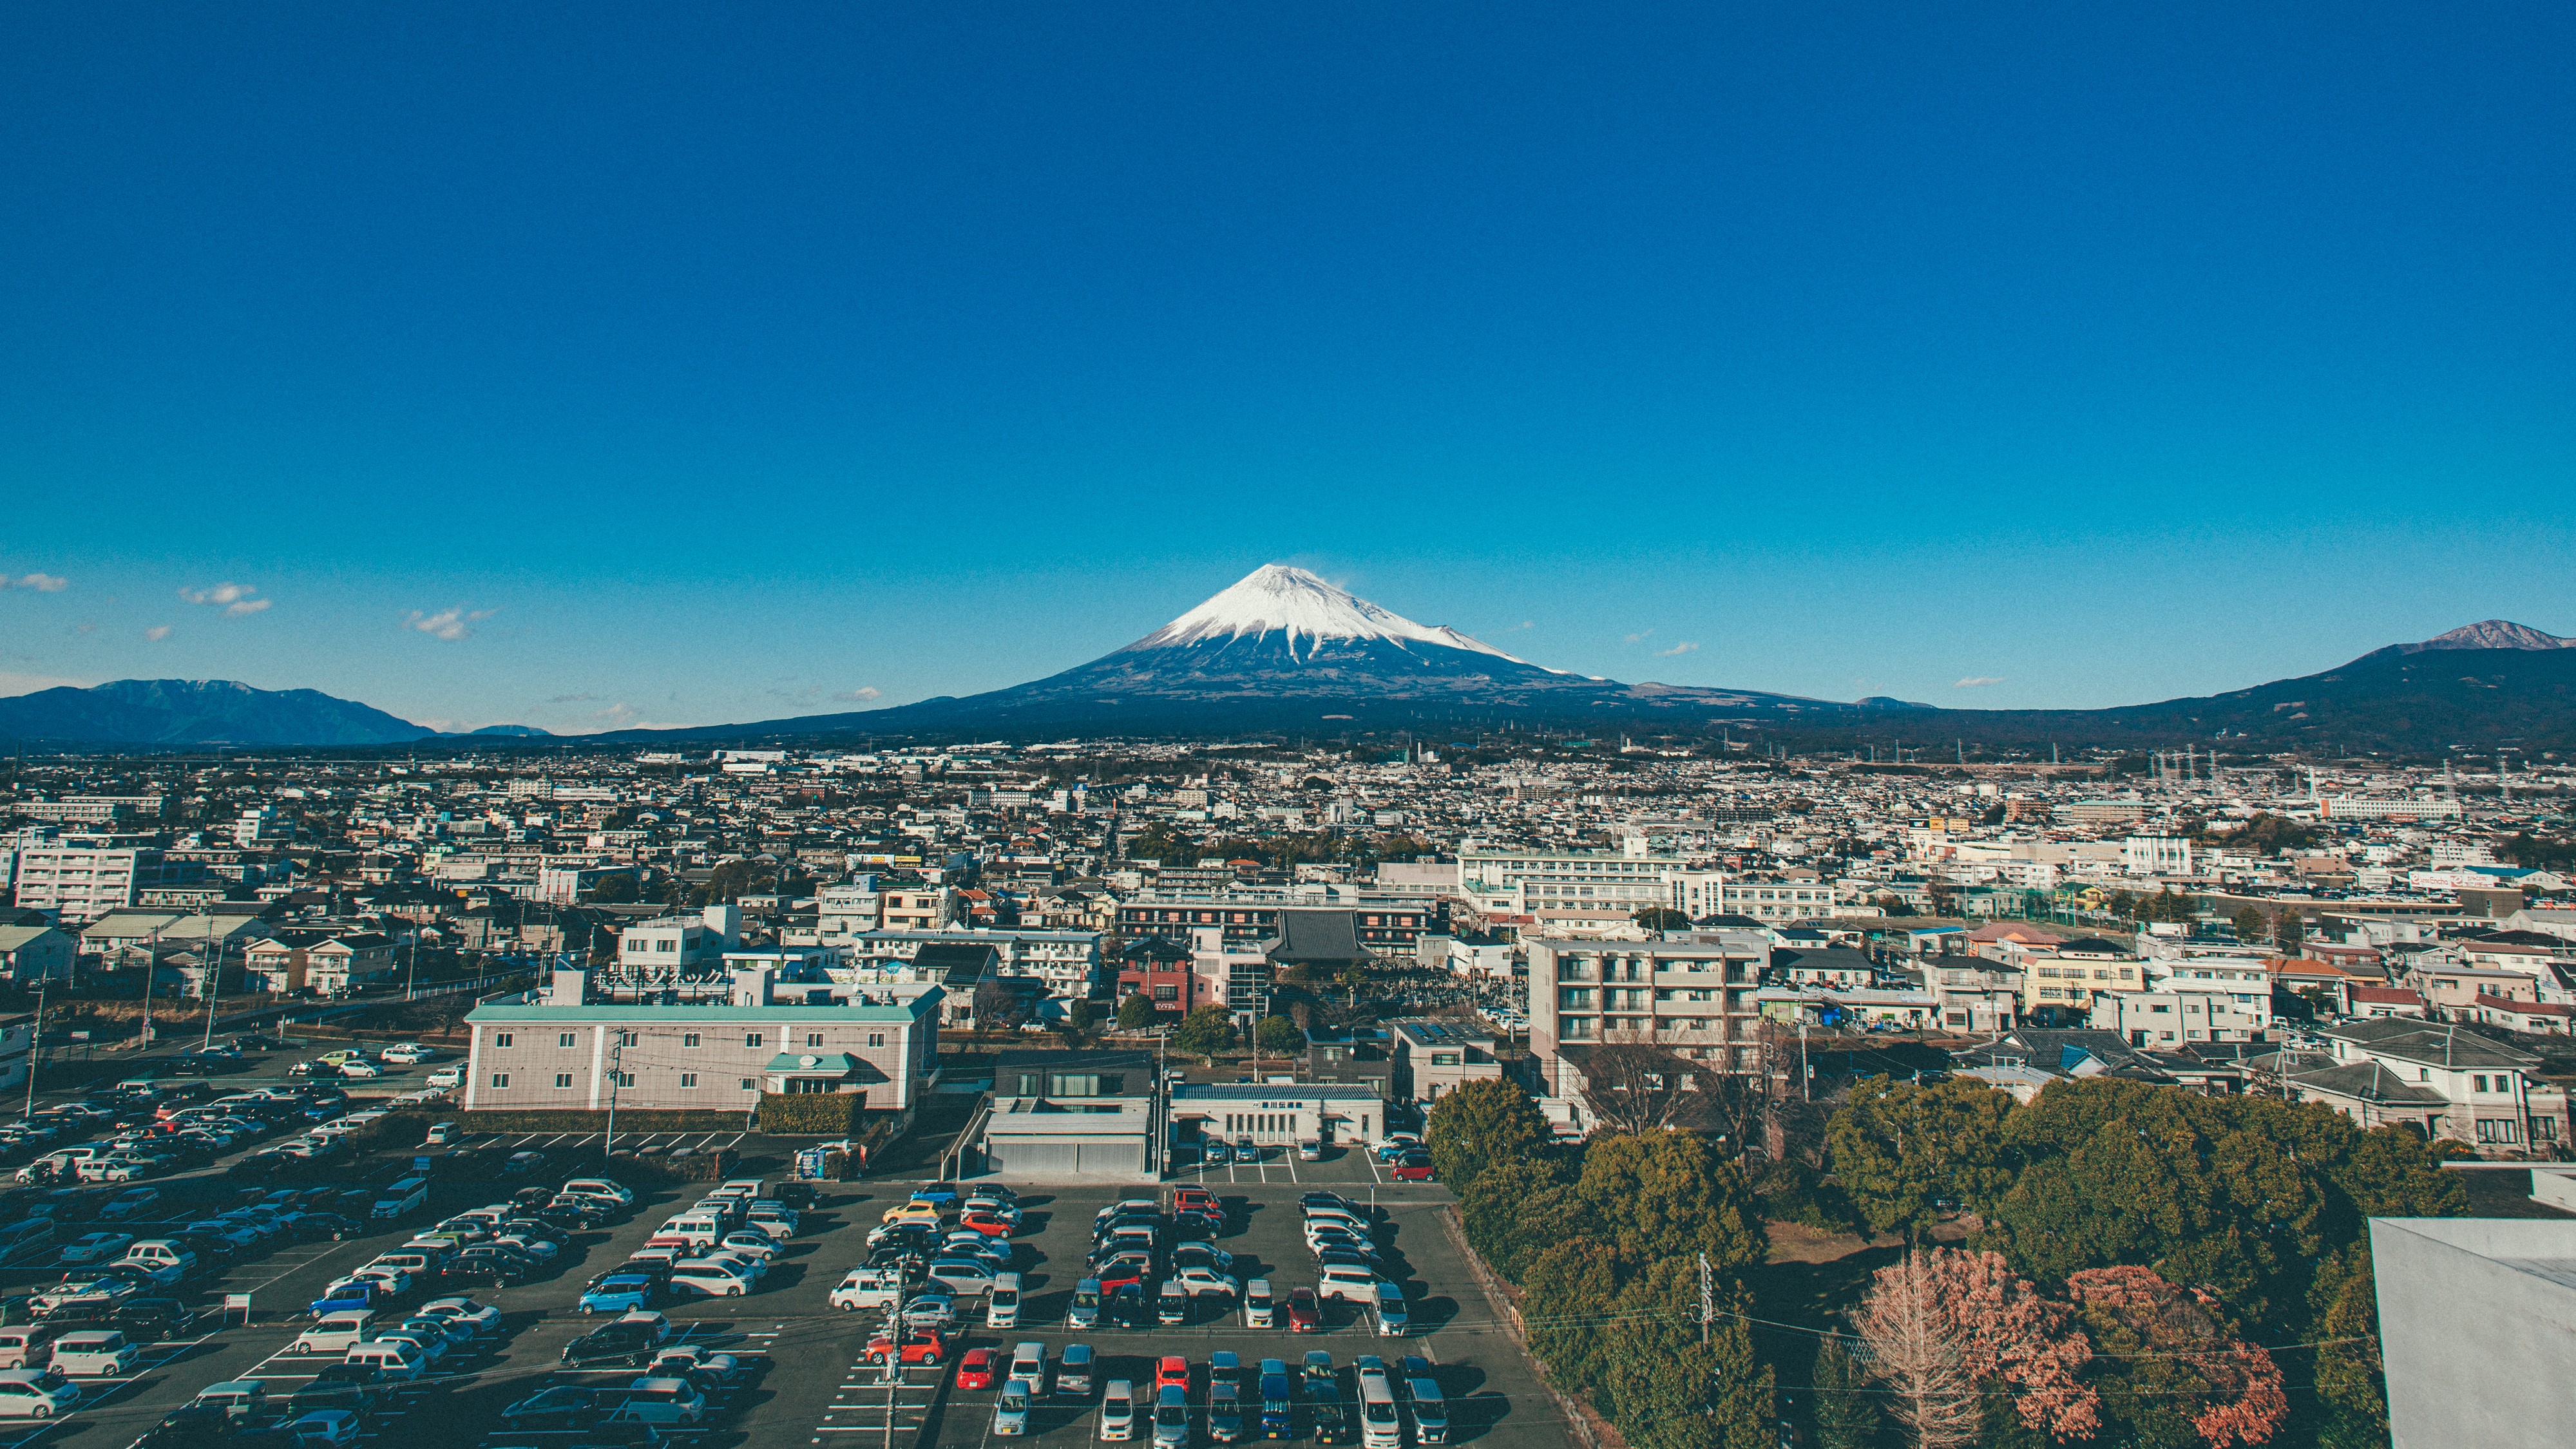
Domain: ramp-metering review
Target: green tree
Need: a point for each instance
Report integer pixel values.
(2250, 925)
(1081, 1017)
(1902, 1149)
(1843, 1405)
(1135, 1012)
(1206, 1031)
(1516, 1209)
(1667, 1195)
(1662, 918)
(1354, 980)
(1481, 1125)
(1278, 1036)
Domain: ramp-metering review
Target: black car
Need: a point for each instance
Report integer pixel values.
(627, 1344)
(148, 1319)
(1128, 1308)
(316, 1227)
(189, 1428)
(797, 1195)
(1332, 1419)
(483, 1265)
(565, 1406)
(342, 1386)
(254, 1042)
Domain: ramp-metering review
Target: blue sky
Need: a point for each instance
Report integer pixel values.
(584, 366)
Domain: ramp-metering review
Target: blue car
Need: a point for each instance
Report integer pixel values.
(343, 1297)
(1215, 1153)
(940, 1195)
(619, 1293)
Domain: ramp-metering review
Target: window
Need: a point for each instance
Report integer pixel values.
(748, 1084)
(500, 1079)
(501, 1039)
(689, 1039)
(563, 1038)
(813, 1038)
(688, 1079)
(1167, 993)
(563, 1079)
(623, 1079)
(876, 1038)
(751, 1038)
(2478, 1083)
(626, 1038)
(2495, 1129)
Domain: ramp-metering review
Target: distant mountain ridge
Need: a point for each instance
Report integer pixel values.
(181, 713)
(2484, 634)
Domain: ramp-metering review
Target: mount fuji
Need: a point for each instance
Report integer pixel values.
(1282, 650)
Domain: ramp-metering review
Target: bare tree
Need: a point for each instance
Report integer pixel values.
(1638, 1085)
(1917, 1351)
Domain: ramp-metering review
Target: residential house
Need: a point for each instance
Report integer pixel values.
(29, 954)
(2441, 1079)
(1436, 1057)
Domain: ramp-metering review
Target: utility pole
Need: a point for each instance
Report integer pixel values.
(36, 1045)
(607, 1144)
(1707, 1298)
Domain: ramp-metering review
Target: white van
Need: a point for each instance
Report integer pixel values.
(599, 1187)
(1381, 1425)
(1351, 1285)
(716, 1280)
(868, 1288)
(27, 1345)
(702, 1230)
(1002, 1306)
(1118, 1411)
(391, 1357)
(164, 1261)
(95, 1353)
(399, 1197)
(337, 1332)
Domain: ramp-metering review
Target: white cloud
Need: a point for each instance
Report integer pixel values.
(1639, 637)
(1681, 648)
(616, 716)
(1523, 624)
(157, 633)
(448, 624)
(1978, 681)
(860, 695)
(234, 599)
(41, 583)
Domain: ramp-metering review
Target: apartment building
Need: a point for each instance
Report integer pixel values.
(2168, 1018)
(1068, 962)
(1387, 922)
(917, 908)
(79, 883)
(323, 963)
(1433, 1058)
(554, 1047)
(1696, 998)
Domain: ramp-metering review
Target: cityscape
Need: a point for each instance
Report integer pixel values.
(1872, 752)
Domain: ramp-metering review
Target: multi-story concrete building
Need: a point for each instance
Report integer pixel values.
(1384, 922)
(556, 1048)
(1695, 999)
(1067, 961)
(1702, 893)
(1434, 1058)
(84, 882)
(1519, 882)
(2475, 1315)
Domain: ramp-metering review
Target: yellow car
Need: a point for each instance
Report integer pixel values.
(912, 1212)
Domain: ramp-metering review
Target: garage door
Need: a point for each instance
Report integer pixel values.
(1065, 1159)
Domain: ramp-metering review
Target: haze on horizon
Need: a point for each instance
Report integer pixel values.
(588, 367)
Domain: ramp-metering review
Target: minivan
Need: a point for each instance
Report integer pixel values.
(399, 1197)
(1350, 1284)
(1381, 1427)
(700, 1228)
(27, 1345)
(1260, 1310)
(95, 1353)
(1394, 1320)
(1118, 1411)
(164, 1261)
(238, 1398)
(1430, 1410)
(394, 1360)
(1002, 1307)
(1073, 1371)
(715, 1280)
(1029, 1361)
(336, 1333)
(1085, 1312)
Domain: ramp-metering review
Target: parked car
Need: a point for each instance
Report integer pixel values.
(975, 1369)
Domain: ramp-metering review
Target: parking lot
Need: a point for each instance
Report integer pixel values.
(801, 1371)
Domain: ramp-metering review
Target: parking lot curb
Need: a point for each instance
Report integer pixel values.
(1577, 1417)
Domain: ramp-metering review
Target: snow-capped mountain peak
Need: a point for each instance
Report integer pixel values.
(2496, 634)
(1294, 603)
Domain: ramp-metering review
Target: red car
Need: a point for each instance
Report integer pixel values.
(1187, 1199)
(1124, 1269)
(919, 1346)
(1171, 1371)
(1413, 1167)
(1305, 1315)
(975, 1370)
(987, 1224)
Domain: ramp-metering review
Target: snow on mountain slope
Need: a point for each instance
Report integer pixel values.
(1294, 603)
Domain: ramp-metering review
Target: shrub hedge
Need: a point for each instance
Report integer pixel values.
(811, 1114)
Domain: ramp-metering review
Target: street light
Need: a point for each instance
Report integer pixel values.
(607, 1144)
